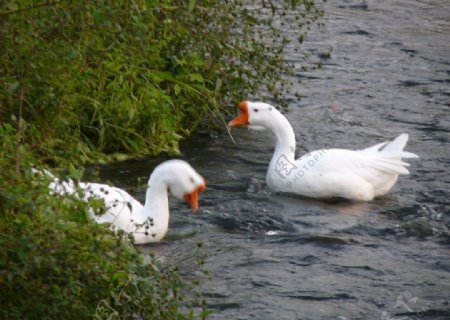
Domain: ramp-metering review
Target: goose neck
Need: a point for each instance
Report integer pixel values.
(157, 203)
(284, 136)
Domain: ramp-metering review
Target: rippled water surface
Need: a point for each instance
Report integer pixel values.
(284, 257)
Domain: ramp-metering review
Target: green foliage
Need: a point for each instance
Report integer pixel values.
(58, 263)
(89, 81)
(97, 79)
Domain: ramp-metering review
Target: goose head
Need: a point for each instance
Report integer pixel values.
(258, 114)
(182, 181)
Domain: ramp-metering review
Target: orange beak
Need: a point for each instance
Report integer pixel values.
(192, 198)
(242, 118)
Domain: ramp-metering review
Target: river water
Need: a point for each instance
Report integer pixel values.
(273, 256)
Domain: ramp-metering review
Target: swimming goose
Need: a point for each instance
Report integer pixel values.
(327, 173)
(148, 222)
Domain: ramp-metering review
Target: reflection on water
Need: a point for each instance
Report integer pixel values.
(279, 257)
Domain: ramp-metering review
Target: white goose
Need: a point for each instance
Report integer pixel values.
(327, 173)
(148, 222)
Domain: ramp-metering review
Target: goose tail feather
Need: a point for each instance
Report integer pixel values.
(388, 155)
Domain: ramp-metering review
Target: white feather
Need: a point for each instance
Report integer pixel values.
(352, 174)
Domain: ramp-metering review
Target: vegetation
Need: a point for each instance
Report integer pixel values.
(56, 263)
(88, 81)
(93, 79)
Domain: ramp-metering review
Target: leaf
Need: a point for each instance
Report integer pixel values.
(75, 173)
(131, 112)
(196, 77)
(97, 205)
(177, 89)
(161, 76)
(98, 16)
(120, 278)
(13, 87)
(22, 124)
(118, 275)
(191, 5)
(218, 85)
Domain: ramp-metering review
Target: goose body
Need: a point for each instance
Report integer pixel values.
(327, 173)
(147, 222)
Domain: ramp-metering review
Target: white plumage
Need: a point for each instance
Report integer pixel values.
(352, 174)
(148, 222)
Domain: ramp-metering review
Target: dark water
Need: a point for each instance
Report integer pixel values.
(283, 257)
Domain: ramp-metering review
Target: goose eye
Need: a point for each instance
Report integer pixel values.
(256, 110)
(191, 179)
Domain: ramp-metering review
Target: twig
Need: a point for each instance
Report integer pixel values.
(19, 130)
(226, 126)
(229, 133)
(45, 4)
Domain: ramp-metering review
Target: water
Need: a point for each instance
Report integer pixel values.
(284, 257)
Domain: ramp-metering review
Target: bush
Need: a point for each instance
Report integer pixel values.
(87, 81)
(94, 79)
(57, 263)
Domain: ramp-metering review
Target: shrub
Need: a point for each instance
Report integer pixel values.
(88, 81)
(94, 79)
(57, 263)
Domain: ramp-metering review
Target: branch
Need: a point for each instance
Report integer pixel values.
(19, 130)
(45, 4)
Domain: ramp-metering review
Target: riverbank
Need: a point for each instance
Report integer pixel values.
(84, 82)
